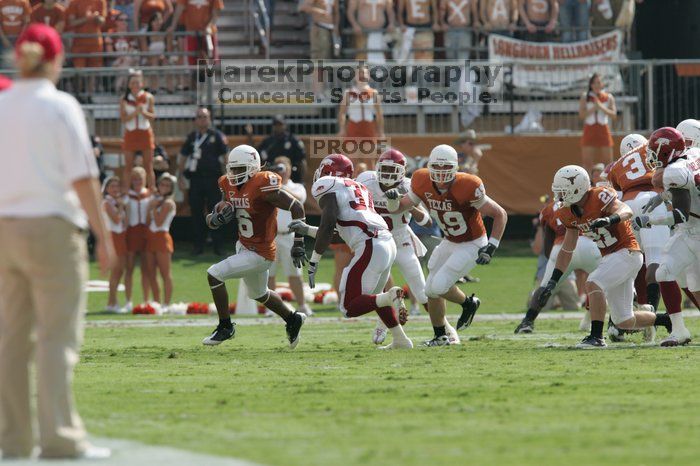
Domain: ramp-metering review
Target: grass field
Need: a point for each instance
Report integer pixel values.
(497, 399)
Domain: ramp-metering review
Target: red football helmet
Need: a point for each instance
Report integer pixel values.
(335, 165)
(391, 167)
(665, 145)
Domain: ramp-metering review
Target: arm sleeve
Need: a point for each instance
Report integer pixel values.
(270, 182)
(477, 195)
(74, 147)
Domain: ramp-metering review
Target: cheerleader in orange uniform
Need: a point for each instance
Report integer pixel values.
(137, 111)
(596, 108)
(137, 234)
(115, 217)
(161, 211)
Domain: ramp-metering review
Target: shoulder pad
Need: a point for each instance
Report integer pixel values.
(677, 175)
(322, 186)
(366, 177)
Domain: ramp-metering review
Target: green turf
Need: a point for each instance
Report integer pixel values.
(336, 400)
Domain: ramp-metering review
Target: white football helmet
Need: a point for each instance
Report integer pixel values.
(631, 142)
(690, 129)
(242, 156)
(570, 184)
(443, 156)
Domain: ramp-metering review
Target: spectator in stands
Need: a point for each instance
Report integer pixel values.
(157, 46)
(499, 16)
(199, 18)
(609, 14)
(51, 13)
(201, 161)
(596, 109)
(369, 19)
(126, 7)
(325, 21)
(471, 153)
(14, 17)
(539, 18)
(422, 17)
(137, 111)
(573, 19)
(455, 16)
(283, 142)
(145, 9)
(87, 17)
(124, 46)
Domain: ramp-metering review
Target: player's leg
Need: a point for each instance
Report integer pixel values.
(436, 304)
(409, 266)
(384, 256)
(284, 258)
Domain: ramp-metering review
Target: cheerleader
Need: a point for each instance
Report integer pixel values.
(159, 246)
(137, 111)
(137, 235)
(596, 109)
(116, 218)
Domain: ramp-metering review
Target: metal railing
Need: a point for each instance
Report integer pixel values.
(259, 26)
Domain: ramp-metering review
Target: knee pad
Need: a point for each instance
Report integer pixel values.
(664, 274)
(215, 272)
(438, 285)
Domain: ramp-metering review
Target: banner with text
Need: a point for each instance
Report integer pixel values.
(531, 76)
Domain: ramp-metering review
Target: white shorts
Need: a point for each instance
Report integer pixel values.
(450, 262)
(247, 265)
(681, 260)
(586, 257)
(283, 258)
(368, 270)
(651, 240)
(615, 276)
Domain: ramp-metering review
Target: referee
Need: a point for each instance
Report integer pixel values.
(47, 186)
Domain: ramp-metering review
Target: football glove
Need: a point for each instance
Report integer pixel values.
(652, 204)
(299, 253)
(312, 274)
(392, 194)
(546, 293)
(222, 217)
(600, 222)
(299, 227)
(640, 221)
(485, 254)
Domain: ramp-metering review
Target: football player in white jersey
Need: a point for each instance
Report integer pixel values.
(385, 184)
(347, 207)
(681, 175)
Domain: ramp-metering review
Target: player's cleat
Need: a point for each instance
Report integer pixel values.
(379, 334)
(442, 340)
(677, 338)
(525, 326)
(469, 308)
(452, 334)
(403, 343)
(649, 334)
(591, 342)
(615, 333)
(397, 295)
(220, 334)
(293, 327)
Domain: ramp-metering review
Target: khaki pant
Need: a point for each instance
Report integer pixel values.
(43, 268)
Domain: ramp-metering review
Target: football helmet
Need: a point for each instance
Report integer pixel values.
(570, 184)
(665, 145)
(245, 157)
(391, 167)
(690, 129)
(631, 142)
(443, 164)
(334, 165)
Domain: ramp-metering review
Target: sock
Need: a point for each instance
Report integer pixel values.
(388, 316)
(384, 299)
(361, 305)
(653, 295)
(398, 333)
(691, 297)
(662, 319)
(672, 296)
(677, 322)
(640, 285)
(439, 331)
(597, 328)
(531, 314)
(226, 322)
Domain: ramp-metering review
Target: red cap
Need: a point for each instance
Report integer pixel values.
(5, 83)
(44, 35)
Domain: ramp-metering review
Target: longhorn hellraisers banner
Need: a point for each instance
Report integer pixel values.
(532, 76)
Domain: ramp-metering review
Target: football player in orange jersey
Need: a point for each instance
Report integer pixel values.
(252, 197)
(456, 201)
(598, 214)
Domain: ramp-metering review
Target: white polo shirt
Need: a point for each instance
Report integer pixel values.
(44, 148)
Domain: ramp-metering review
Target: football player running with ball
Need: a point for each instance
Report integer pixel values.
(347, 206)
(252, 197)
(599, 215)
(386, 184)
(456, 201)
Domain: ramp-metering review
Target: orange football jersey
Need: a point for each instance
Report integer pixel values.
(630, 174)
(454, 210)
(257, 218)
(608, 239)
(549, 218)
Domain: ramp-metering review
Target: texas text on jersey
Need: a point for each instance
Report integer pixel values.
(256, 218)
(608, 239)
(455, 210)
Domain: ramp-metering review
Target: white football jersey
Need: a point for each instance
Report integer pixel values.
(685, 174)
(396, 222)
(357, 219)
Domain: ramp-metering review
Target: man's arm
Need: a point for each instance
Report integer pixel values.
(329, 218)
(548, 236)
(490, 208)
(284, 200)
(563, 261)
(616, 212)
